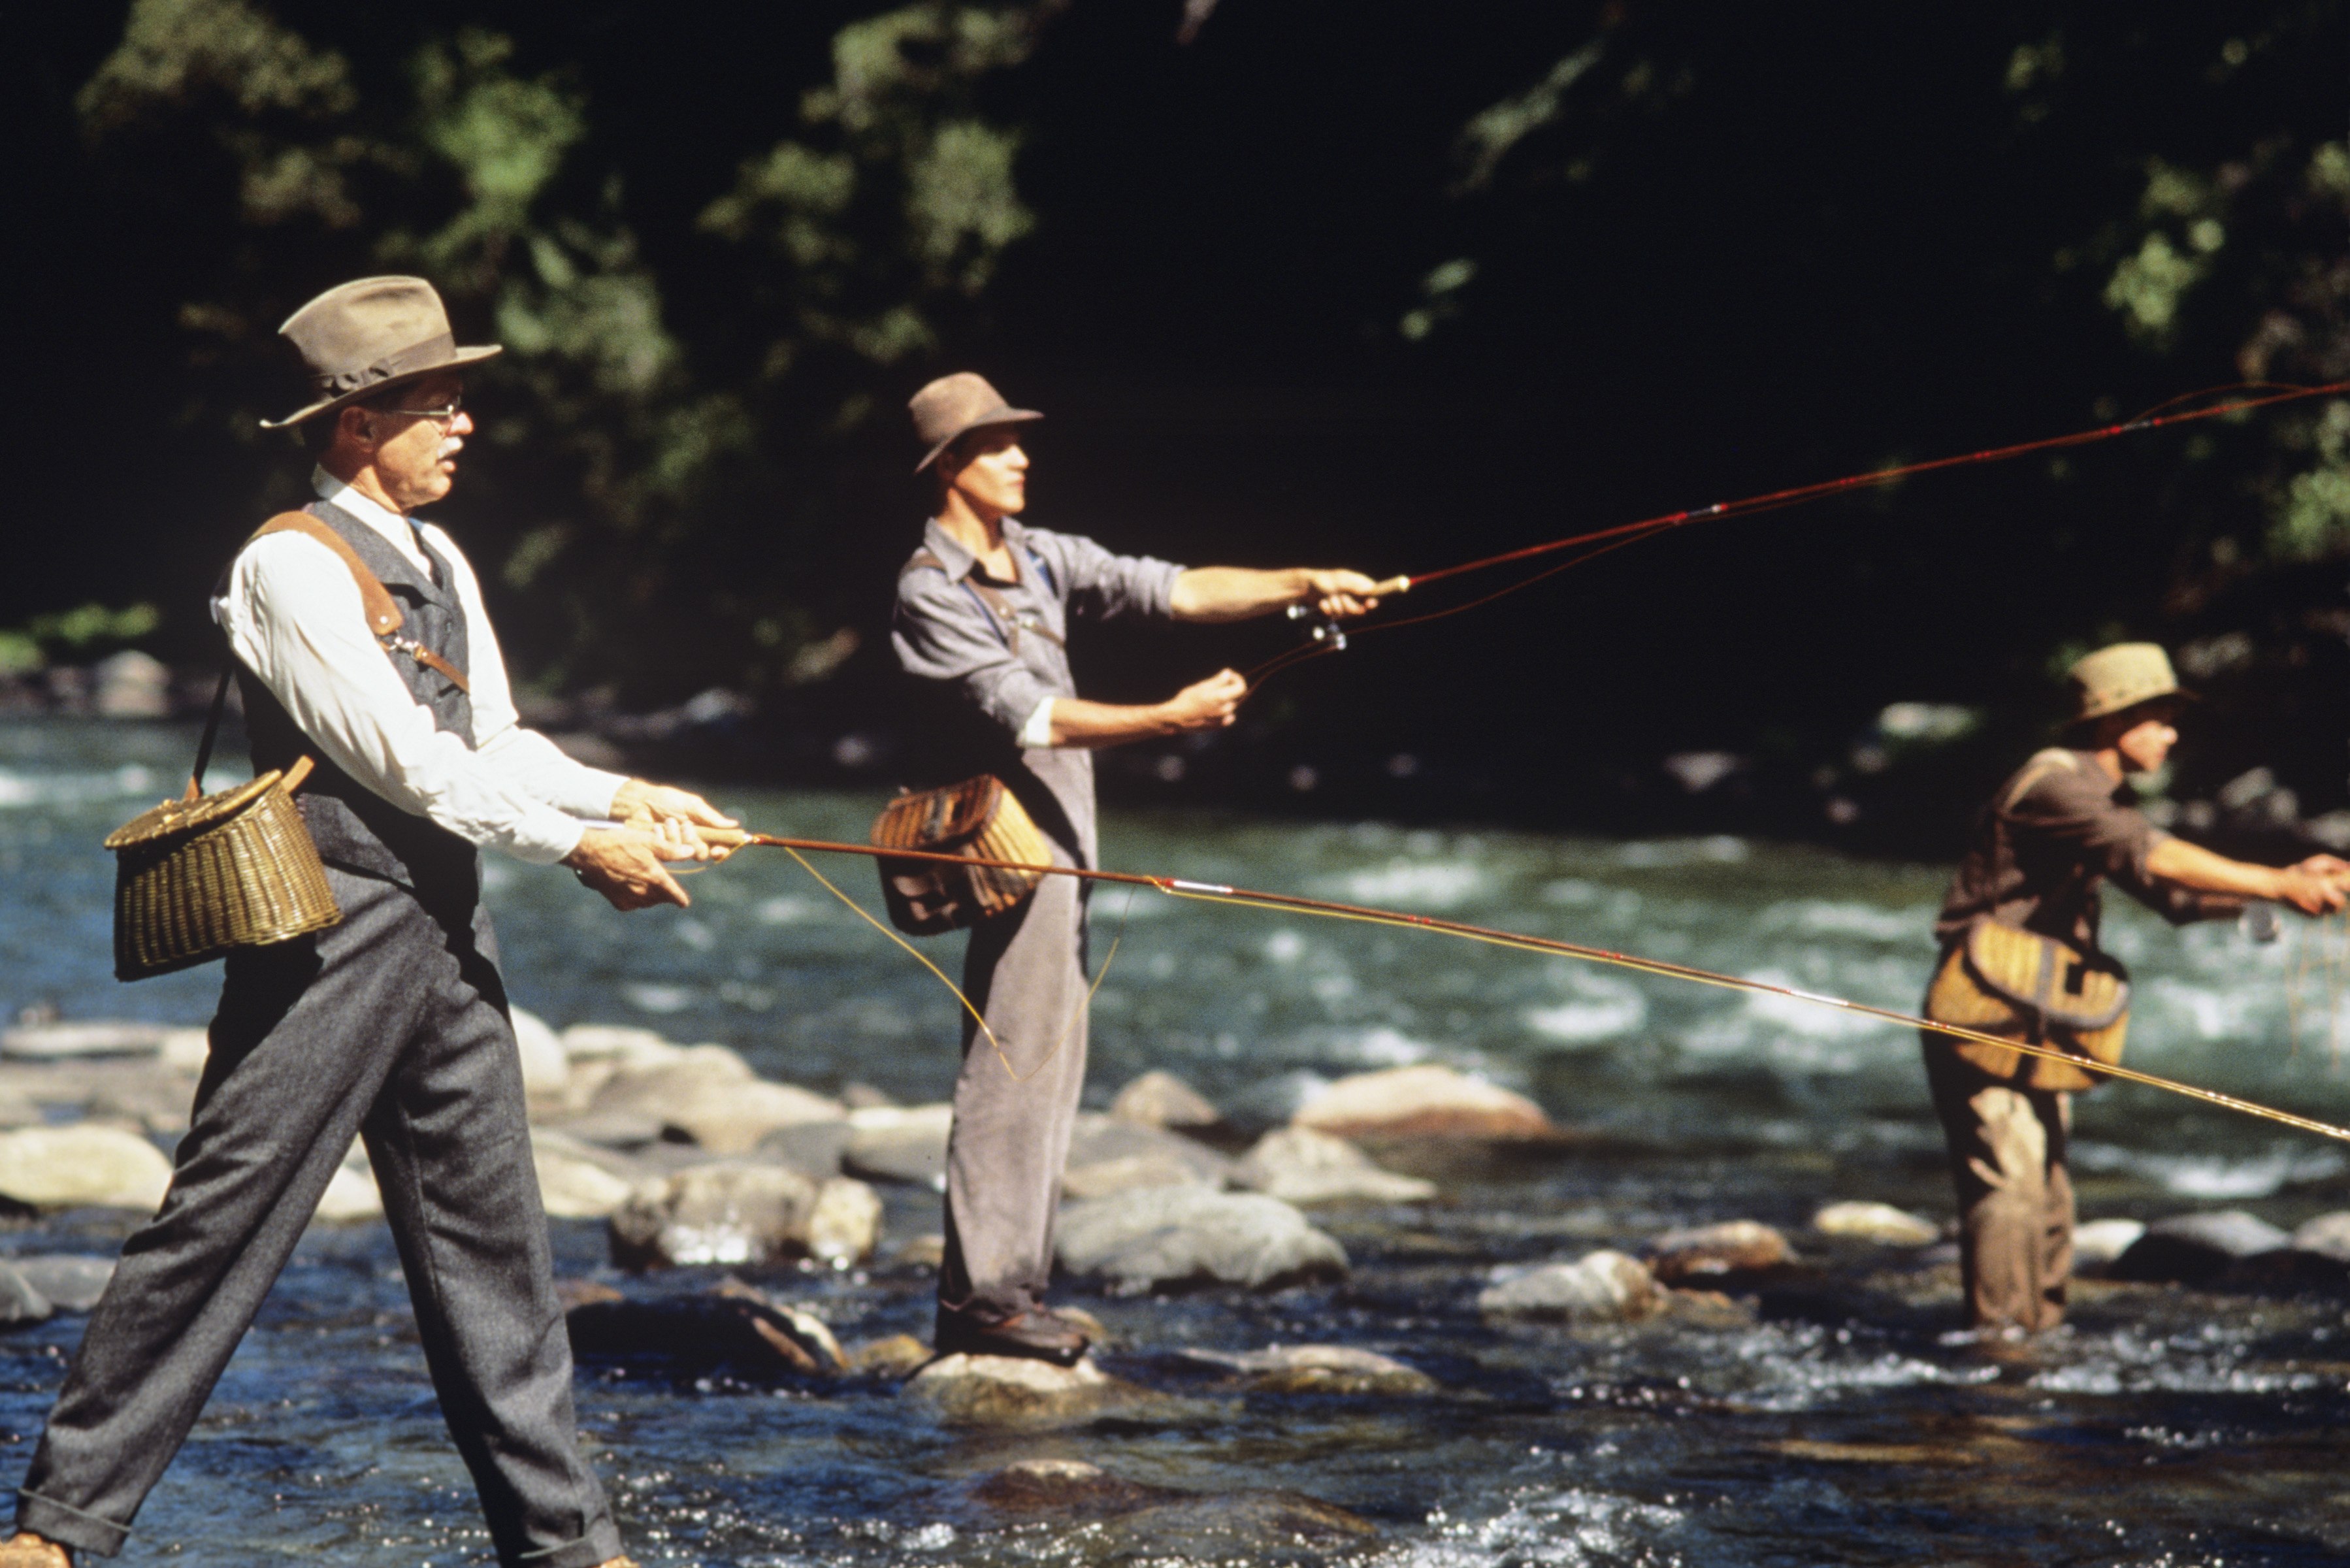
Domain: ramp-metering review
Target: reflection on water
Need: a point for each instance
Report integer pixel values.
(1836, 1421)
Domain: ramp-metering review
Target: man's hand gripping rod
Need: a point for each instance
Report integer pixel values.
(1326, 630)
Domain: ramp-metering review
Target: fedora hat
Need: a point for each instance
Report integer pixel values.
(2122, 676)
(368, 336)
(954, 405)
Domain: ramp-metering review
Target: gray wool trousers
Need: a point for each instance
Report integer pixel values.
(1014, 1113)
(392, 1026)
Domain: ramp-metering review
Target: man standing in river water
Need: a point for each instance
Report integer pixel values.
(390, 1025)
(984, 611)
(2028, 887)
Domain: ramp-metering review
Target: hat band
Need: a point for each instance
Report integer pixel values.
(437, 349)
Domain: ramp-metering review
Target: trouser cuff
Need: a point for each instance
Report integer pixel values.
(600, 1545)
(53, 1520)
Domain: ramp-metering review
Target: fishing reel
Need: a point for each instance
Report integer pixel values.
(1325, 631)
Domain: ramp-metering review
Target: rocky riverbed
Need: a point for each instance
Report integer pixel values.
(1403, 1253)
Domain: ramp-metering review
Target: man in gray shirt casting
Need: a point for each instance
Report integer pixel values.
(984, 609)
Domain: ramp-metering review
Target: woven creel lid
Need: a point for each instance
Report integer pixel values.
(182, 818)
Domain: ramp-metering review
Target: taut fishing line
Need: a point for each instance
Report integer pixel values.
(1325, 909)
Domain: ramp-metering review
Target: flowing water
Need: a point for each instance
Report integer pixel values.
(1832, 1419)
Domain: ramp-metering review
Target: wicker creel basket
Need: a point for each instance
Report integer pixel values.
(978, 817)
(196, 877)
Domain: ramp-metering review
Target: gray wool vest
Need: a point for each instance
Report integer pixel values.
(354, 828)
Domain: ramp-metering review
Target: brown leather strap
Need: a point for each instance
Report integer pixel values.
(384, 617)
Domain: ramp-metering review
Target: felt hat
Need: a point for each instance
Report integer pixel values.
(2123, 676)
(368, 336)
(955, 405)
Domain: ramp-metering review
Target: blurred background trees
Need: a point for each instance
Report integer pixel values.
(1295, 281)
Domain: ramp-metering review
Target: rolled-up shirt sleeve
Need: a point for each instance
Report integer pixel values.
(293, 619)
(938, 634)
(1104, 586)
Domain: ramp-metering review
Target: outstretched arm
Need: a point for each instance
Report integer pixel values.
(1241, 593)
(1208, 704)
(2314, 886)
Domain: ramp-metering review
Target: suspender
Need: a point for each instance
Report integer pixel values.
(384, 617)
(1009, 622)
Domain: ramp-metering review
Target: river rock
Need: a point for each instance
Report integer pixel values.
(619, 1044)
(1301, 1165)
(894, 1356)
(82, 1166)
(22, 1303)
(1314, 1369)
(2097, 1243)
(1003, 1390)
(735, 1213)
(352, 1197)
(18, 1109)
(69, 1282)
(132, 685)
(546, 1066)
(185, 1051)
(1732, 1247)
(1160, 1099)
(815, 1149)
(1168, 1237)
(572, 1185)
(732, 1326)
(845, 1226)
(1876, 1222)
(2327, 1236)
(1130, 1522)
(625, 1131)
(2195, 1249)
(708, 1095)
(1599, 1287)
(1425, 1101)
(95, 1037)
(1108, 1156)
(900, 1142)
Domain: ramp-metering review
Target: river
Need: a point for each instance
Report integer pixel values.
(1835, 1420)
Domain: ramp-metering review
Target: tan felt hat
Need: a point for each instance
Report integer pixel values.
(952, 405)
(368, 336)
(2122, 676)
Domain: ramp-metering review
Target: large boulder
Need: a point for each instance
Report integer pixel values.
(1158, 1099)
(900, 1142)
(1710, 1251)
(734, 1213)
(1425, 1101)
(2197, 1249)
(1301, 1165)
(1108, 1156)
(709, 1095)
(732, 1326)
(1329, 1369)
(69, 1282)
(1164, 1238)
(1599, 1287)
(85, 1166)
(1882, 1222)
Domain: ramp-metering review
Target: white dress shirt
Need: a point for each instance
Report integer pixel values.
(293, 619)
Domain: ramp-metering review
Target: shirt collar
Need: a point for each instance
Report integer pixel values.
(398, 532)
(958, 561)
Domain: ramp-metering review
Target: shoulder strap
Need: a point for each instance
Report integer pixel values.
(384, 617)
(2055, 759)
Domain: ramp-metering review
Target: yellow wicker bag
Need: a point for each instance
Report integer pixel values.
(198, 876)
(978, 817)
(2024, 986)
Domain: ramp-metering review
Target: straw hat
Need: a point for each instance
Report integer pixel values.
(368, 336)
(954, 405)
(2123, 676)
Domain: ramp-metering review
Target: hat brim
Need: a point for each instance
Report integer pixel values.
(462, 357)
(2178, 694)
(985, 421)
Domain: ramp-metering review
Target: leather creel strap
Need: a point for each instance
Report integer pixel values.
(384, 617)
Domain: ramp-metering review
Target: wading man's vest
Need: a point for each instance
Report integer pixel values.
(354, 828)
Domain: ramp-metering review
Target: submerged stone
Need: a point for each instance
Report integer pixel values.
(1332, 1369)
(1599, 1287)
(1170, 1236)
(1876, 1222)
(1734, 1246)
(736, 1327)
(1164, 1524)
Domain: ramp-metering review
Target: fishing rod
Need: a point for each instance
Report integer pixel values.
(1329, 909)
(1327, 637)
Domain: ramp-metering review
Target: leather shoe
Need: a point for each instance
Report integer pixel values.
(1037, 1334)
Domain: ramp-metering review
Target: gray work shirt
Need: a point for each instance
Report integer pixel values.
(943, 631)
